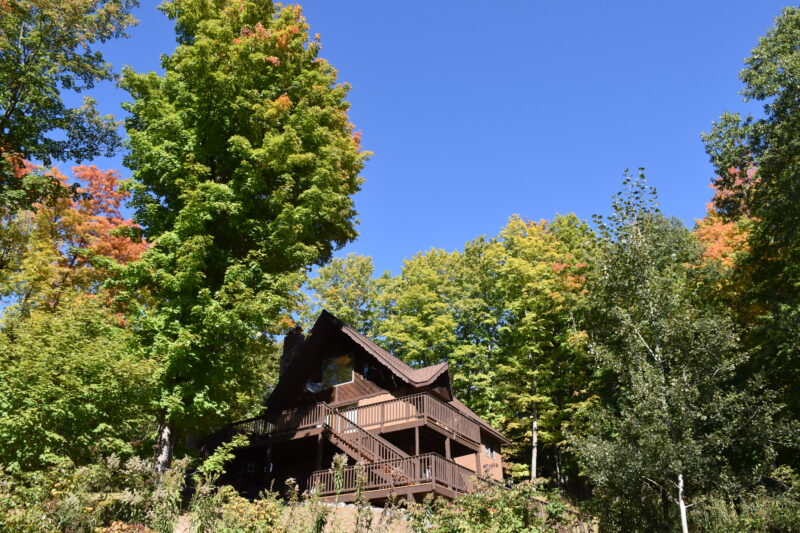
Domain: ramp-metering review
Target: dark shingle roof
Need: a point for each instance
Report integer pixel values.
(415, 376)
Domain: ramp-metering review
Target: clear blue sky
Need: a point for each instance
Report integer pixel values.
(479, 110)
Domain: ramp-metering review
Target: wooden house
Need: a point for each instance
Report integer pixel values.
(340, 393)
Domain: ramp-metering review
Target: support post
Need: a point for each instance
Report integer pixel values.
(478, 470)
(269, 461)
(447, 447)
(319, 451)
(416, 440)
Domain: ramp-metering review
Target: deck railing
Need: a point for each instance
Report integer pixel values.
(417, 469)
(365, 443)
(289, 420)
(404, 409)
(417, 406)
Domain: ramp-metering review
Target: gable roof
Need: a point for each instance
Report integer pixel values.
(419, 377)
(416, 377)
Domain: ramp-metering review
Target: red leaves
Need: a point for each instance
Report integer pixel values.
(99, 222)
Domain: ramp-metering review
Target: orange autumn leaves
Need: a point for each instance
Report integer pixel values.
(723, 239)
(69, 240)
(99, 225)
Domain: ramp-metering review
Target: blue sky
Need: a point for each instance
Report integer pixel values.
(479, 110)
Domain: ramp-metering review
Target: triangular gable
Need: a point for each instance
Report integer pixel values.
(329, 329)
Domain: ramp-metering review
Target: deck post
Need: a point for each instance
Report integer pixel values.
(447, 447)
(478, 471)
(269, 460)
(416, 440)
(319, 451)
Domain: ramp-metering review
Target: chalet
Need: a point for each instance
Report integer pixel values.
(339, 392)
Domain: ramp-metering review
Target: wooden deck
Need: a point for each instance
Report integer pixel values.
(422, 474)
(385, 415)
(381, 417)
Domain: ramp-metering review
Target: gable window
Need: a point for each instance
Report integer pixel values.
(337, 370)
(488, 449)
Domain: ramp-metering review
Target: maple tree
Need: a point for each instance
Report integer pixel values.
(75, 388)
(245, 164)
(69, 244)
(46, 49)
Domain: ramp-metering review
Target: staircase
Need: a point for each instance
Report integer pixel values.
(362, 445)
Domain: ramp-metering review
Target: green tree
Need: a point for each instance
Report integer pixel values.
(542, 370)
(46, 47)
(759, 180)
(670, 426)
(499, 312)
(346, 288)
(245, 166)
(73, 387)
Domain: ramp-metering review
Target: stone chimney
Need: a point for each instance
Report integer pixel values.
(291, 342)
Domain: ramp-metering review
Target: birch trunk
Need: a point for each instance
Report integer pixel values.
(163, 449)
(535, 439)
(682, 505)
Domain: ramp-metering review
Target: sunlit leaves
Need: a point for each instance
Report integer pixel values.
(245, 164)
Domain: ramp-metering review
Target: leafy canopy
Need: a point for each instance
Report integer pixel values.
(245, 165)
(46, 49)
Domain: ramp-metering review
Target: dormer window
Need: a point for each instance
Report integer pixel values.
(337, 370)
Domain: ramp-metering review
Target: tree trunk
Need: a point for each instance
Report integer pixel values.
(535, 439)
(163, 448)
(559, 477)
(682, 505)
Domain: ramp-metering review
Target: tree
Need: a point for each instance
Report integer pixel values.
(346, 288)
(670, 423)
(74, 388)
(68, 244)
(47, 47)
(245, 166)
(759, 179)
(542, 372)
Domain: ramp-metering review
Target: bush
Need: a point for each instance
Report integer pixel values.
(493, 508)
(86, 498)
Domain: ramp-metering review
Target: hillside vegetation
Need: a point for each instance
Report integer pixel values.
(645, 372)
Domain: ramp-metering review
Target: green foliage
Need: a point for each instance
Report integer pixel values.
(47, 47)
(668, 402)
(74, 388)
(244, 164)
(85, 498)
(214, 466)
(759, 179)
(494, 508)
(346, 288)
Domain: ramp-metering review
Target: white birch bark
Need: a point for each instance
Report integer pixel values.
(535, 439)
(682, 505)
(164, 450)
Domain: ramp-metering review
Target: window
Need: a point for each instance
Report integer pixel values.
(488, 449)
(337, 370)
